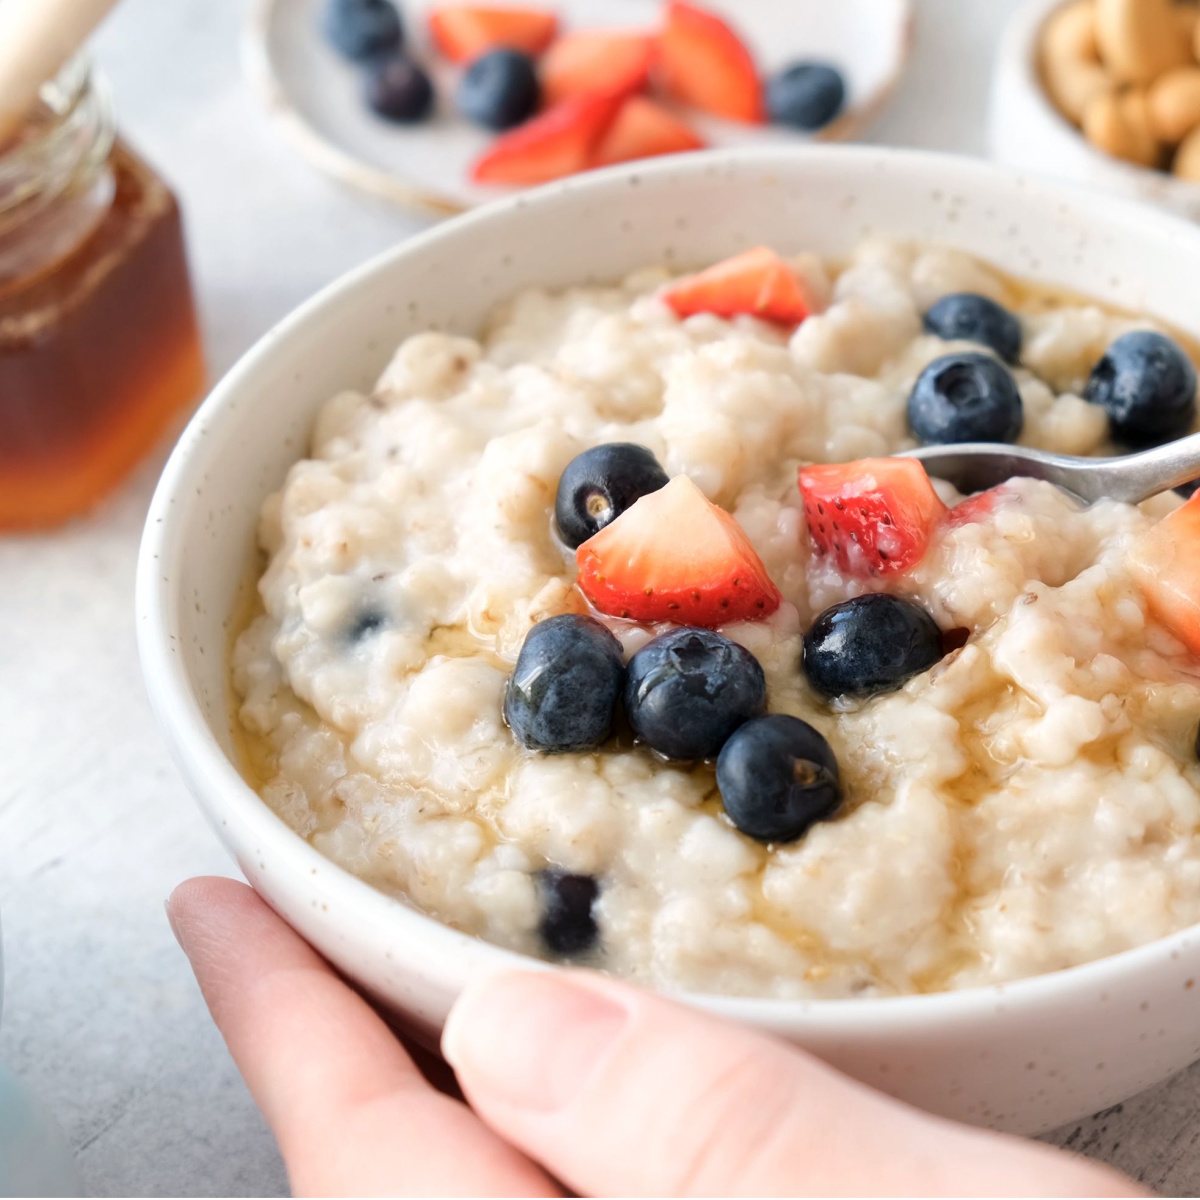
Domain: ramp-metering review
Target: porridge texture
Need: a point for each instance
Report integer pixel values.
(1029, 803)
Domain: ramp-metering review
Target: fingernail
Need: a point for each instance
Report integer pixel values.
(531, 1040)
(171, 920)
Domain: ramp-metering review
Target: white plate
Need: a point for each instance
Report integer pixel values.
(317, 95)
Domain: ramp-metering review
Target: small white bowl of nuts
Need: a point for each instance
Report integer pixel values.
(1105, 92)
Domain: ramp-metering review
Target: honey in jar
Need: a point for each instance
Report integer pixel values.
(99, 344)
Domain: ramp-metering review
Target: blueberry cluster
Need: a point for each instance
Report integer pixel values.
(499, 90)
(371, 32)
(689, 695)
(1145, 382)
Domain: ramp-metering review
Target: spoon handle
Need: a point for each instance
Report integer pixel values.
(1137, 477)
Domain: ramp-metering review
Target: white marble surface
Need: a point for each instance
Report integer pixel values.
(101, 1014)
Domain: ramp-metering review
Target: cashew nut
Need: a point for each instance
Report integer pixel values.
(1140, 39)
(1119, 124)
(1187, 158)
(1174, 104)
(1070, 59)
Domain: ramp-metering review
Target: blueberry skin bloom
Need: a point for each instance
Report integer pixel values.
(361, 29)
(689, 689)
(778, 777)
(806, 95)
(568, 926)
(967, 317)
(1148, 387)
(869, 645)
(599, 485)
(965, 398)
(398, 90)
(562, 695)
(500, 89)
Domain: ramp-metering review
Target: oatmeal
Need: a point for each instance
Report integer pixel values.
(999, 771)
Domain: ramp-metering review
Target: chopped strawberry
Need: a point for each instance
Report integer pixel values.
(644, 129)
(758, 283)
(675, 556)
(975, 508)
(1166, 564)
(875, 516)
(559, 142)
(706, 64)
(463, 32)
(597, 60)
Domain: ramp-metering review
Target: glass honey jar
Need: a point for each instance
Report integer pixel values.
(99, 343)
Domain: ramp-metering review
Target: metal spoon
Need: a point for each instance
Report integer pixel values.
(1132, 478)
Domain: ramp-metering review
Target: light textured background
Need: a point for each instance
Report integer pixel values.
(101, 1014)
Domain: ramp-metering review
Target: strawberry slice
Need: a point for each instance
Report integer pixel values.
(675, 556)
(975, 508)
(644, 129)
(758, 283)
(1166, 564)
(463, 32)
(706, 64)
(597, 60)
(557, 143)
(874, 516)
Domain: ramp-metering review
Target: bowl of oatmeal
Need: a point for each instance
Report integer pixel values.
(546, 591)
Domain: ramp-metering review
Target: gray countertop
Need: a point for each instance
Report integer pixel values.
(101, 1014)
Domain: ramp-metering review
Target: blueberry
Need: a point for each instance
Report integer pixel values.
(362, 29)
(563, 692)
(966, 317)
(870, 644)
(1148, 387)
(965, 398)
(688, 690)
(778, 777)
(399, 90)
(599, 485)
(369, 621)
(568, 926)
(806, 95)
(500, 89)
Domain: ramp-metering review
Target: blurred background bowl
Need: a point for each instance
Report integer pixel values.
(1027, 131)
(316, 97)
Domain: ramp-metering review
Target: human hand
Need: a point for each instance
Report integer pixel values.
(572, 1078)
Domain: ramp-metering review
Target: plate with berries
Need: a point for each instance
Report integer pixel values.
(446, 105)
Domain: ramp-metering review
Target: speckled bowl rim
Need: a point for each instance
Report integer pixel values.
(329, 157)
(227, 798)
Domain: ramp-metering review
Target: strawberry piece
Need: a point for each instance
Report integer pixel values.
(559, 142)
(597, 60)
(675, 556)
(758, 283)
(1166, 564)
(644, 129)
(975, 508)
(706, 64)
(463, 32)
(874, 516)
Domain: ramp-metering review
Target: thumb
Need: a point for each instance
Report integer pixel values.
(618, 1092)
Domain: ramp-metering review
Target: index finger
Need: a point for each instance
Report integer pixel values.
(351, 1112)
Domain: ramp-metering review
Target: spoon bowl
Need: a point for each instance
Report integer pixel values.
(1129, 478)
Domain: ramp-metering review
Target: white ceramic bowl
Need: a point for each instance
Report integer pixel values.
(1026, 131)
(1025, 1057)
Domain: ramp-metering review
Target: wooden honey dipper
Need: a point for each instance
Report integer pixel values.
(37, 37)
